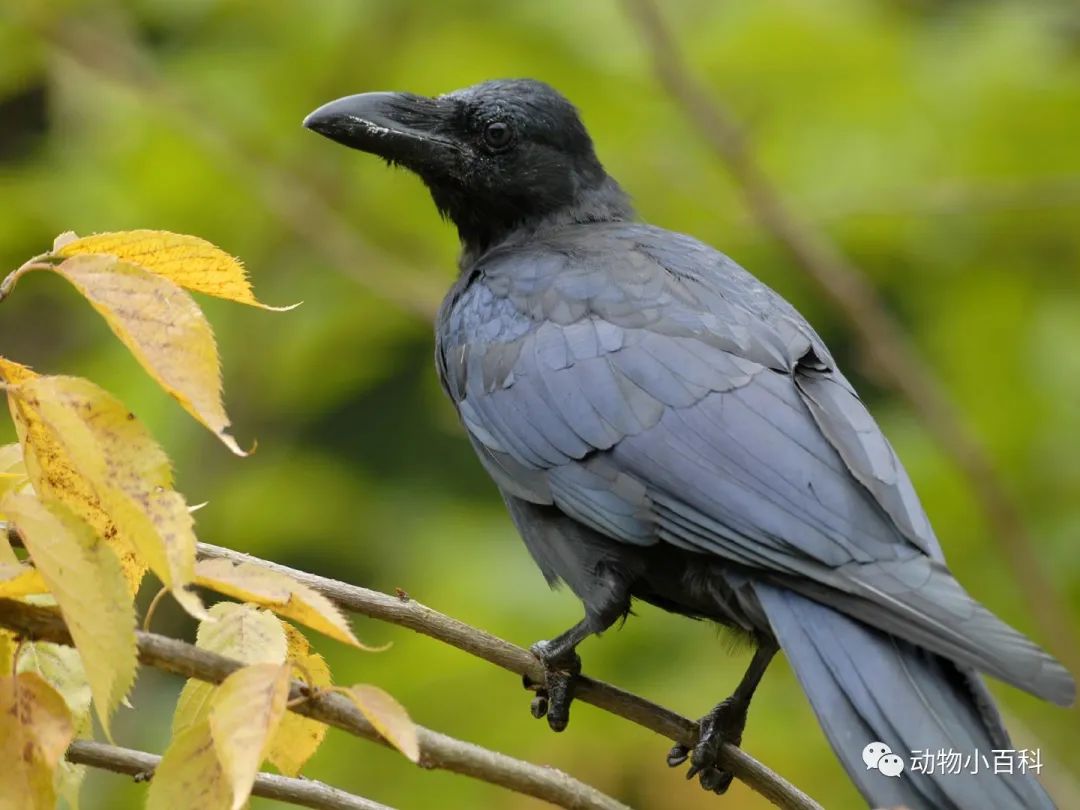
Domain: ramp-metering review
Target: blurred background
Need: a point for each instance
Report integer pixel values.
(937, 141)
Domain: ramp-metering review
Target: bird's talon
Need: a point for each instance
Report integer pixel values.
(724, 724)
(715, 780)
(539, 706)
(677, 755)
(556, 694)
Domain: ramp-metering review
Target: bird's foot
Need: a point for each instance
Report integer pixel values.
(724, 724)
(554, 696)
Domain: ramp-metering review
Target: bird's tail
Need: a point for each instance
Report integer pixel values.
(866, 687)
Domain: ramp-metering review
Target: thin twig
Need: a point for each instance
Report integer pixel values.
(888, 354)
(302, 792)
(406, 612)
(436, 750)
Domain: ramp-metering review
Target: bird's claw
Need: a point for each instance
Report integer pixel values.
(539, 705)
(677, 755)
(724, 724)
(554, 697)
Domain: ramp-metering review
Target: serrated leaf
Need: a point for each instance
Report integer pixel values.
(112, 451)
(208, 763)
(279, 592)
(298, 737)
(387, 716)
(242, 632)
(54, 476)
(62, 669)
(68, 780)
(186, 260)
(189, 774)
(163, 328)
(84, 576)
(20, 580)
(244, 714)
(35, 730)
(87, 450)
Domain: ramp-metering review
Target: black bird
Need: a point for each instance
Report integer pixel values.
(662, 426)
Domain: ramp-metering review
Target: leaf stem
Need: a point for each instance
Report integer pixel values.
(36, 263)
(153, 606)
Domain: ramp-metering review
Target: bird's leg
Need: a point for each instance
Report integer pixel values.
(562, 666)
(724, 724)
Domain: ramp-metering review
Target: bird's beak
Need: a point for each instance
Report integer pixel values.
(399, 127)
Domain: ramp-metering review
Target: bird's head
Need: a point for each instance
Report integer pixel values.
(496, 157)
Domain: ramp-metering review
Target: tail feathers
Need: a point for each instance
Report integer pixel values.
(867, 686)
(918, 599)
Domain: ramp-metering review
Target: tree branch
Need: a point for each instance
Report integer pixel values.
(436, 750)
(888, 354)
(406, 612)
(302, 792)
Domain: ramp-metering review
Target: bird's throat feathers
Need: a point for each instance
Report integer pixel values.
(482, 225)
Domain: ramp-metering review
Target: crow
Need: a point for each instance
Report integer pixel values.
(664, 427)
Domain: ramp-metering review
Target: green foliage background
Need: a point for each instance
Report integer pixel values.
(937, 141)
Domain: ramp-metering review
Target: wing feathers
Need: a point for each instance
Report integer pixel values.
(653, 390)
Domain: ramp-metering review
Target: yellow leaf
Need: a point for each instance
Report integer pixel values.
(12, 470)
(7, 553)
(185, 260)
(189, 774)
(35, 730)
(298, 738)
(96, 436)
(84, 576)
(10, 457)
(279, 592)
(8, 643)
(20, 580)
(242, 632)
(244, 714)
(68, 782)
(388, 716)
(53, 476)
(63, 239)
(62, 669)
(163, 328)
(15, 373)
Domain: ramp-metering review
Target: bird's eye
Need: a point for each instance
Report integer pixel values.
(497, 135)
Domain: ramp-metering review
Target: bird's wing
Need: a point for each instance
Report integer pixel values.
(559, 352)
(654, 391)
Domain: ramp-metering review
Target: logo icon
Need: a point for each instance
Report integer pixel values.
(878, 756)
